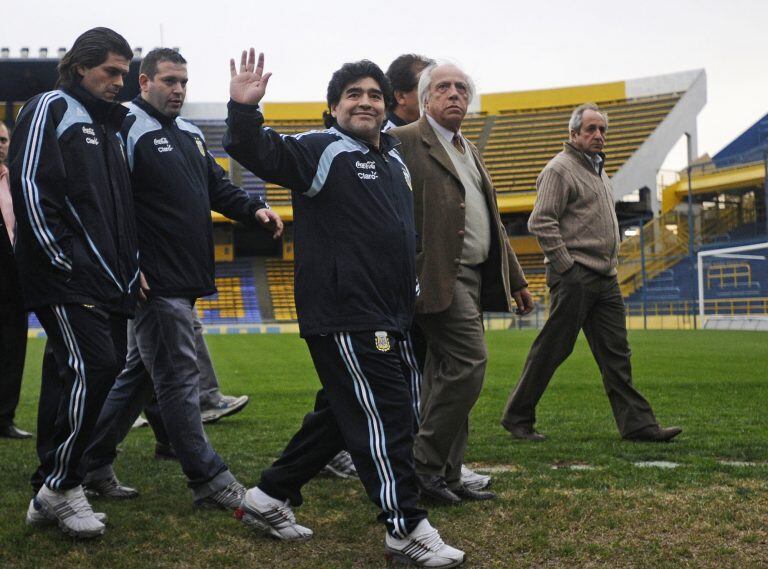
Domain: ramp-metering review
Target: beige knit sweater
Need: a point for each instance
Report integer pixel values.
(574, 217)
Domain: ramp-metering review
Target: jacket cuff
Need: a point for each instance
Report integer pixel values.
(255, 205)
(251, 111)
(518, 285)
(560, 259)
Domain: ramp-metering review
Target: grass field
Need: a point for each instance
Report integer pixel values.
(704, 513)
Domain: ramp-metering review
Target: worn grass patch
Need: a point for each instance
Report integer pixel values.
(702, 514)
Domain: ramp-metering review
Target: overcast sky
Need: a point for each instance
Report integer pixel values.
(506, 45)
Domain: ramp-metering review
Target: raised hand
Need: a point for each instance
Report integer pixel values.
(248, 86)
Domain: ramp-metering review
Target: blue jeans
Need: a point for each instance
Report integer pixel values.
(162, 354)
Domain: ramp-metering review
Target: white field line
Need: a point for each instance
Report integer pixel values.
(502, 468)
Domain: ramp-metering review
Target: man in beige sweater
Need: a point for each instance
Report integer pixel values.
(574, 220)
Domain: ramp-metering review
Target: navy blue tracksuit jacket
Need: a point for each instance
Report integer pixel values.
(353, 222)
(176, 184)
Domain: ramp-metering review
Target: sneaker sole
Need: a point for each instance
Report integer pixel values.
(213, 417)
(256, 521)
(212, 505)
(330, 471)
(397, 557)
(42, 521)
(95, 494)
(480, 485)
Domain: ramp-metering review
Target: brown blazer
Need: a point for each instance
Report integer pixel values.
(439, 210)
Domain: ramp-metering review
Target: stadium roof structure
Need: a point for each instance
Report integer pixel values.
(749, 146)
(517, 133)
(740, 164)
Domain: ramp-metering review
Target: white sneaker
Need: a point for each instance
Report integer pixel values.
(139, 422)
(227, 405)
(36, 516)
(473, 480)
(423, 548)
(70, 508)
(228, 498)
(271, 516)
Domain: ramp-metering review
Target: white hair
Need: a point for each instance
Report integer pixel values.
(577, 116)
(425, 82)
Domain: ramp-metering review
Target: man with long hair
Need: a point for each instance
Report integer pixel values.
(76, 252)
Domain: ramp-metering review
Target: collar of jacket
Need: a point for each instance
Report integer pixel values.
(164, 120)
(103, 112)
(570, 149)
(395, 120)
(386, 141)
(436, 150)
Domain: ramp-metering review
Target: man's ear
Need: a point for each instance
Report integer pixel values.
(333, 110)
(144, 81)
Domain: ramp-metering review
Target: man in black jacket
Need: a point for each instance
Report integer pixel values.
(13, 317)
(403, 73)
(76, 252)
(176, 182)
(355, 293)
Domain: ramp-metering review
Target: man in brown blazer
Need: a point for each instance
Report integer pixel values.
(465, 265)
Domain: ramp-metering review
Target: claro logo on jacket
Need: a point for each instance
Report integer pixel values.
(90, 136)
(163, 145)
(367, 170)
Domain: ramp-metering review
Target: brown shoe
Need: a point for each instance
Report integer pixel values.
(654, 434)
(526, 433)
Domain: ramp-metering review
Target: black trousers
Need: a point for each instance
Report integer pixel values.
(582, 300)
(13, 349)
(415, 355)
(364, 405)
(80, 365)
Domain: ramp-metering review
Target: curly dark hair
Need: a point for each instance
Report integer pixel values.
(91, 49)
(349, 73)
(402, 73)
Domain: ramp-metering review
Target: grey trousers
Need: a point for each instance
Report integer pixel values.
(162, 352)
(582, 300)
(210, 393)
(453, 377)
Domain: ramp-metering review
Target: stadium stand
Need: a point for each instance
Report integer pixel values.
(521, 142)
(280, 275)
(517, 133)
(236, 301)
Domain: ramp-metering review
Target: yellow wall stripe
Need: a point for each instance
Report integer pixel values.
(493, 103)
(312, 111)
